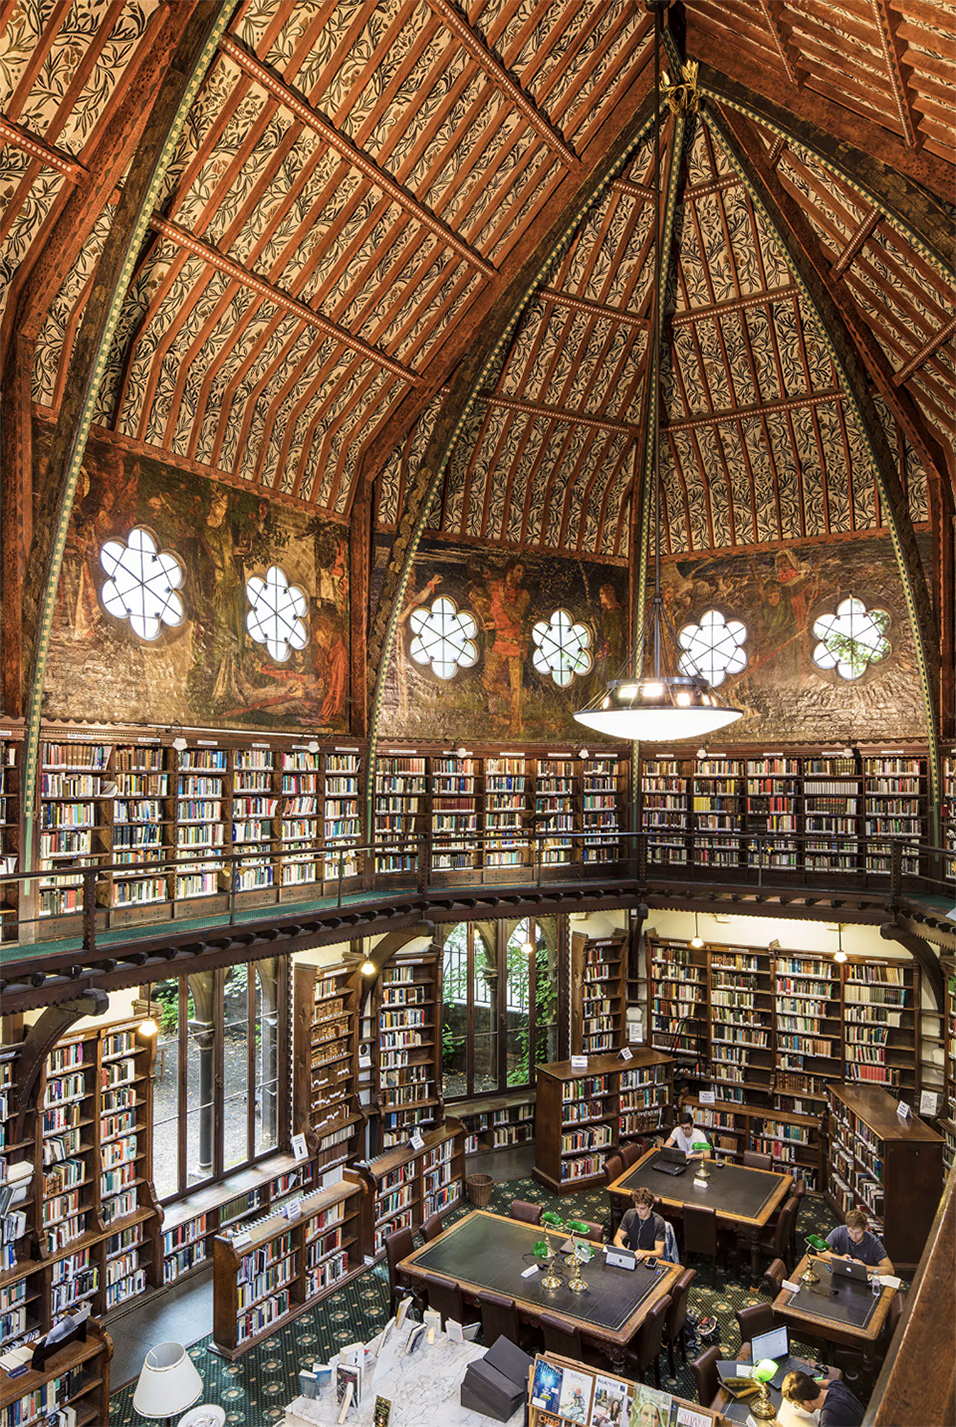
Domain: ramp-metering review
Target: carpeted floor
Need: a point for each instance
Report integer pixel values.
(255, 1389)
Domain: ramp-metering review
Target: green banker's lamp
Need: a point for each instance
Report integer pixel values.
(819, 1246)
(703, 1170)
(762, 1406)
(543, 1250)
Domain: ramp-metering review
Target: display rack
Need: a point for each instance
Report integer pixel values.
(506, 811)
(664, 811)
(408, 1183)
(454, 814)
(889, 1166)
(408, 1047)
(598, 992)
(325, 1064)
(718, 811)
(796, 1143)
(831, 800)
(773, 810)
(741, 1022)
(275, 1269)
(895, 789)
(677, 1002)
(401, 795)
(496, 1122)
(582, 1113)
(75, 1380)
(554, 819)
(603, 779)
(809, 1021)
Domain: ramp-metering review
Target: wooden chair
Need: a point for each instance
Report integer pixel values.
(754, 1320)
(613, 1169)
(499, 1319)
(527, 1212)
(565, 1340)
(677, 1317)
(398, 1246)
(644, 1349)
(631, 1153)
(752, 1160)
(431, 1228)
(705, 1374)
(445, 1297)
(595, 1232)
(777, 1240)
(773, 1278)
(700, 1234)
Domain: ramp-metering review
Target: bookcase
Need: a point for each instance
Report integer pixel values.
(77, 1377)
(718, 811)
(325, 1067)
(894, 791)
(664, 811)
(141, 822)
(342, 813)
(773, 810)
(406, 1185)
(454, 814)
(299, 821)
(603, 782)
(948, 817)
(255, 802)
(554, 811)
(408, 1041)
(809, 1014)
(191, 1224)
(881, 1025)
(598, 992)
(583, 1114)
(831, 801)
(678, 1002)
(948, 1116)
(506, 812)
(495, 1122)
(796, 1143)
(73, 822)
(741, 1021)
(9, 828)
(278, 1267)
(202, 813)
(890, 1167)
(401, 794)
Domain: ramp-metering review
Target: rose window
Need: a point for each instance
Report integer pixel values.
(713, 648)
(851, 639)
(562, 648)
(143, 583)
(444, 638)
(277, 612)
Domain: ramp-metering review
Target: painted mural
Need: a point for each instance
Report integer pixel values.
(497, 690)
(779, 595)
(207, 669)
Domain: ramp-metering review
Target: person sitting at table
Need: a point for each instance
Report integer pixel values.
(685, 1135)
(836, 1403)
(853, 1240)
(641, 1229)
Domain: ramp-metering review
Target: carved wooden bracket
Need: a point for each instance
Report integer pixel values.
(39, 1041)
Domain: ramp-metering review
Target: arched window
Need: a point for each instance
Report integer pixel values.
(142, 583)
(851, 639)
(277, 613)
(562, 648)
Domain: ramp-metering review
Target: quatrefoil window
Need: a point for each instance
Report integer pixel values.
(851, 639)
(277, 612)
(713, 647)
(444, 638)
(143, 583)
(562, 648)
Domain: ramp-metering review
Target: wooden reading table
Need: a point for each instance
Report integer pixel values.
(852, 1315)
(488, 1251)
(742, 1198)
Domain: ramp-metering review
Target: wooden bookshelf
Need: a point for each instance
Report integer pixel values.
(191, 1224)
(299, 820)
(664, 811)
(741, 1021)
(678, 1011)
(76, 1376)
(342, 814)
(325, 1064)
(406, 1185)
(496, 1122)
(507, 814)
(796, 1143)
(718, 802)
(554, 811)
(74, 826)
(773, 810)
(401, 800)
(278, 1267)
(254, 805)
(10, 750)
(583, 1114)
(948, 817)
(603, 788)
(141, 822)
(881, 1025)
(808, 1005)
(895, 797)
(598, 992)
(455, 818)
(408, 1013)
(832, 788)
(890, 1167)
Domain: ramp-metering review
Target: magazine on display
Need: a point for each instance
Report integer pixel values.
(577, 1389)
(612, 1402)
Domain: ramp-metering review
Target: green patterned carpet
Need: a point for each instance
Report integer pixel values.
(255, 1389)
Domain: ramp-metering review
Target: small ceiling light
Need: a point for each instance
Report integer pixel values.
(313, 745)
(702, 752)
(839, 955)
(527, 947)
(368, 968)
(583, 753)
(696, 940)
(148, 1027)
(180, 744)
(462, 752)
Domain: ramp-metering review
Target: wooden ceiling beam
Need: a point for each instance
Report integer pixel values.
(779, 33)
(597, 309)
(925, 352)
(19, 137)
(785, 292)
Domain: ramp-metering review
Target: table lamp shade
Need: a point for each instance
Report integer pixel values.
(168, 1383)
(764, 1371)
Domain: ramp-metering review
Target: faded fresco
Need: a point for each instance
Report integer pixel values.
(207, 670)
(502, 695)
(778, 595)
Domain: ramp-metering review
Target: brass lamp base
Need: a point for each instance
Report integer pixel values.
(762, 1407)
(576, 1283)
(809, 1275)
(703, 1171)
(551, 1280)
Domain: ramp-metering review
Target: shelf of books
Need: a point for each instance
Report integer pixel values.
(299, 820)
(401, 799)
(407, 1056)
(832, 805)
(598, 992)
(881, 1025)
(948, 1115)
(809, 1022)
(410, 1182)
(9, 826)
(895, 791)
(773, 810)
(554, 814)
(202, 820)
(947, 830)
(507, 842)
(272, 1270)
(677, 1002)
(603, 785)
(343, 820)
(796, 1143)
(583, 1113)
(889, 1166)
(664, 811)
(141, 825)
(74, 826)
(496, 1122)
(325, 1066)
(255, 803)
(455, 804)
(718, 811)
(72, 1389)
(190, 1225)
(21, 1296)
(741, 1022)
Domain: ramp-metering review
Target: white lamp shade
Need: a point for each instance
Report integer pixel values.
(656, 724)
(168, 1383)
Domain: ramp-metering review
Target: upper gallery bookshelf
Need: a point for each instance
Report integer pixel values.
(948, 1116)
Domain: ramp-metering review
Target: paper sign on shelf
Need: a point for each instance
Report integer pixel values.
(707, 1097)
(299, 1148)
(928, 1102)
(903, 1110)
(790, 1287)
(416, 1142)
(579, 1062)
(293, 1210)
(240, 1239)
(530, 1272)
(625, 1054)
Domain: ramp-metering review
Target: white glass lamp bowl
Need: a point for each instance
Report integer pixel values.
(168, 1383)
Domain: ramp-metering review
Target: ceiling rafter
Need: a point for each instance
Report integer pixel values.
(900, 74)
(857, 240)
(46, 154)
(931, 345)
(783, 292)
(761, 408)
(781, 39)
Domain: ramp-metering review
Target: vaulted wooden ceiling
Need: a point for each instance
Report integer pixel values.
(361, 187)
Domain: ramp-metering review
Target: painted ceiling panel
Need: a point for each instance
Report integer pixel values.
(26, 200)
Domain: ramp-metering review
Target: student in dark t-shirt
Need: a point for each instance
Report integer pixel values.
(853, 1240)
(641, 1229)
(838, 1407)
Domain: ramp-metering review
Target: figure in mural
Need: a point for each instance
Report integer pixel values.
(609, 654)
(785, 600)
(224, 599)
(332, 651)
(502, 607)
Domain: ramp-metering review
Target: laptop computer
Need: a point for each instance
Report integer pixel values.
(849, 1268)
(776, 1346)
(670, 1161)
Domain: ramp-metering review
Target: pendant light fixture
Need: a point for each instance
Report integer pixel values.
(657, 705)
(839, 955)
(696, 940)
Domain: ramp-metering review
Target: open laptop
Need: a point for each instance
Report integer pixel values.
(670, 1161)
(776, 1346)
(849, 1268)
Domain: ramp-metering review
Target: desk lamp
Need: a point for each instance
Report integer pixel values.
(542, 1250)
(816, 1246)
(762, 1406)
(703, 1169)
(168, 1383)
